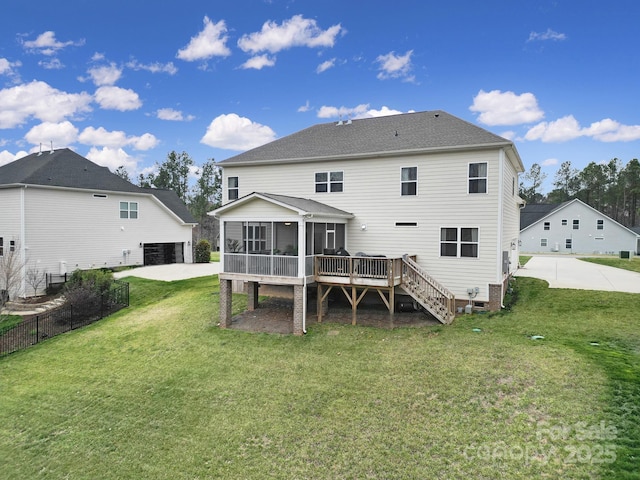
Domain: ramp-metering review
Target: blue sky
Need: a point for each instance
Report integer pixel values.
(124, 83)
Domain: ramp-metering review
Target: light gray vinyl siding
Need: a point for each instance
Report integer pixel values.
(372, 192)
(87, 232)
(586, 240)
(10, 216)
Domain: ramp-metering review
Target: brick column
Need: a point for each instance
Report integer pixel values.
(298, 293)
(225, 303)
(495, 297)
(252, 295)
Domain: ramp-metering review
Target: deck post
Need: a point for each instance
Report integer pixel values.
(354, 305)
(252, 295)
(226, 290)
(298, 308)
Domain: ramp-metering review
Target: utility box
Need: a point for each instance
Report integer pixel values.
(625, 254)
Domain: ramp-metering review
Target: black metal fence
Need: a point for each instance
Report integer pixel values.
(40, 327)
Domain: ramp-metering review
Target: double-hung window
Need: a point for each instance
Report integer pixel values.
(459, 242)
(478, 177)
(129, 210)
(1, 246)
(576, 224)
(232, 188)
(600, 225)
(256, 238)
(329, 182)
(409, 181)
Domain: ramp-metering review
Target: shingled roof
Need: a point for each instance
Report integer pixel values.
(393, 134)
(530, 214)
(65, 168)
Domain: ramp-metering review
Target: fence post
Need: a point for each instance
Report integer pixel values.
(71, 316)
(37, 328)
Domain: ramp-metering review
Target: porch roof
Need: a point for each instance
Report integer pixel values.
(301, 206)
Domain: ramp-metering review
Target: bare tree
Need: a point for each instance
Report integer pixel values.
(35, 277)
(11, 266)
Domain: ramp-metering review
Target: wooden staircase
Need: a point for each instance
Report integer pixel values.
(432, 296)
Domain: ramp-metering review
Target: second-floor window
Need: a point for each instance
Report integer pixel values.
(478, 177)
(547, 225)
(129, 210)
(232, 188)
(576, 224)
(1, 246)
(329, 182)
(600, 224)
(409, 181)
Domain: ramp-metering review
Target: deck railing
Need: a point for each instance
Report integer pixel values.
(250, 264)
(427, 291)
(359, 268)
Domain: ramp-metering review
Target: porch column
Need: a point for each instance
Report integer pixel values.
(252, 295)
(298, 308)
(225, 303)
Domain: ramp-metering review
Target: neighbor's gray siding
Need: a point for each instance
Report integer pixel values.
(586, 240)
(87, 232)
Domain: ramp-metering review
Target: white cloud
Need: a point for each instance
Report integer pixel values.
(46, 44)
(549, 162)
(383, 112)
(39, 100)
(548, 35)
(61, 134)
(156, 67)
(52, 64)
(568, 128)
(112, 158)
(116, 139)
(304, 108)
(324, 66)
(506, 108)
(258, 62)
(105, 75)
(8, 157)
(335, 112)
(8, 68)
(509, 135)
(173, 115)
(116, 98)
(395, 66)
(294, 32)
(210, 42)
(233, 132)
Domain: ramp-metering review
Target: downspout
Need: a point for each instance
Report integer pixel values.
(302, 261)
(23, 244)
(500, 225)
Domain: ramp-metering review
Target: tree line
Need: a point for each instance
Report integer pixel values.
(200, 197)
(611, 188)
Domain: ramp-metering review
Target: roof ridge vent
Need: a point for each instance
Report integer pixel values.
(51, 151)
(40, 152)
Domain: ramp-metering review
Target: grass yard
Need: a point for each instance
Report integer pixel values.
(157, 391)
(632, 264)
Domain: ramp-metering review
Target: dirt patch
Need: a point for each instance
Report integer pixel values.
(275, 315)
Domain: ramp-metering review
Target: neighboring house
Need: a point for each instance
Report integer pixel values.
(62, 212)
(573, 227)
(428, 184)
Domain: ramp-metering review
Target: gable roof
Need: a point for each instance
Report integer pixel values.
(302, 206)
(64, 168)
(531, 213)
(537, 211)
(389, 135)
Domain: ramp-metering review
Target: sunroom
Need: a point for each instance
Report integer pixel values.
(273, 239)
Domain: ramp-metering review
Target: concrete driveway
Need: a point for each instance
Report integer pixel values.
(171, 272)
(570, 272)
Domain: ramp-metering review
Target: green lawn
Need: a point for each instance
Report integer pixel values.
(215, 256)
(157, 391)
(632, 264)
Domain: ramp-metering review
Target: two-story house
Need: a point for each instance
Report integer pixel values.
(423, 204)
(61, 212)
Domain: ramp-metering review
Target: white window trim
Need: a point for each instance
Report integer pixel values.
(486, 179)
(129, 210)
(458, 242)
(328, 183)
(402, 182)
(234, 189)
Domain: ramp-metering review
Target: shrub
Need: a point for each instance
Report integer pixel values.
(84, 291)
(203, 251)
